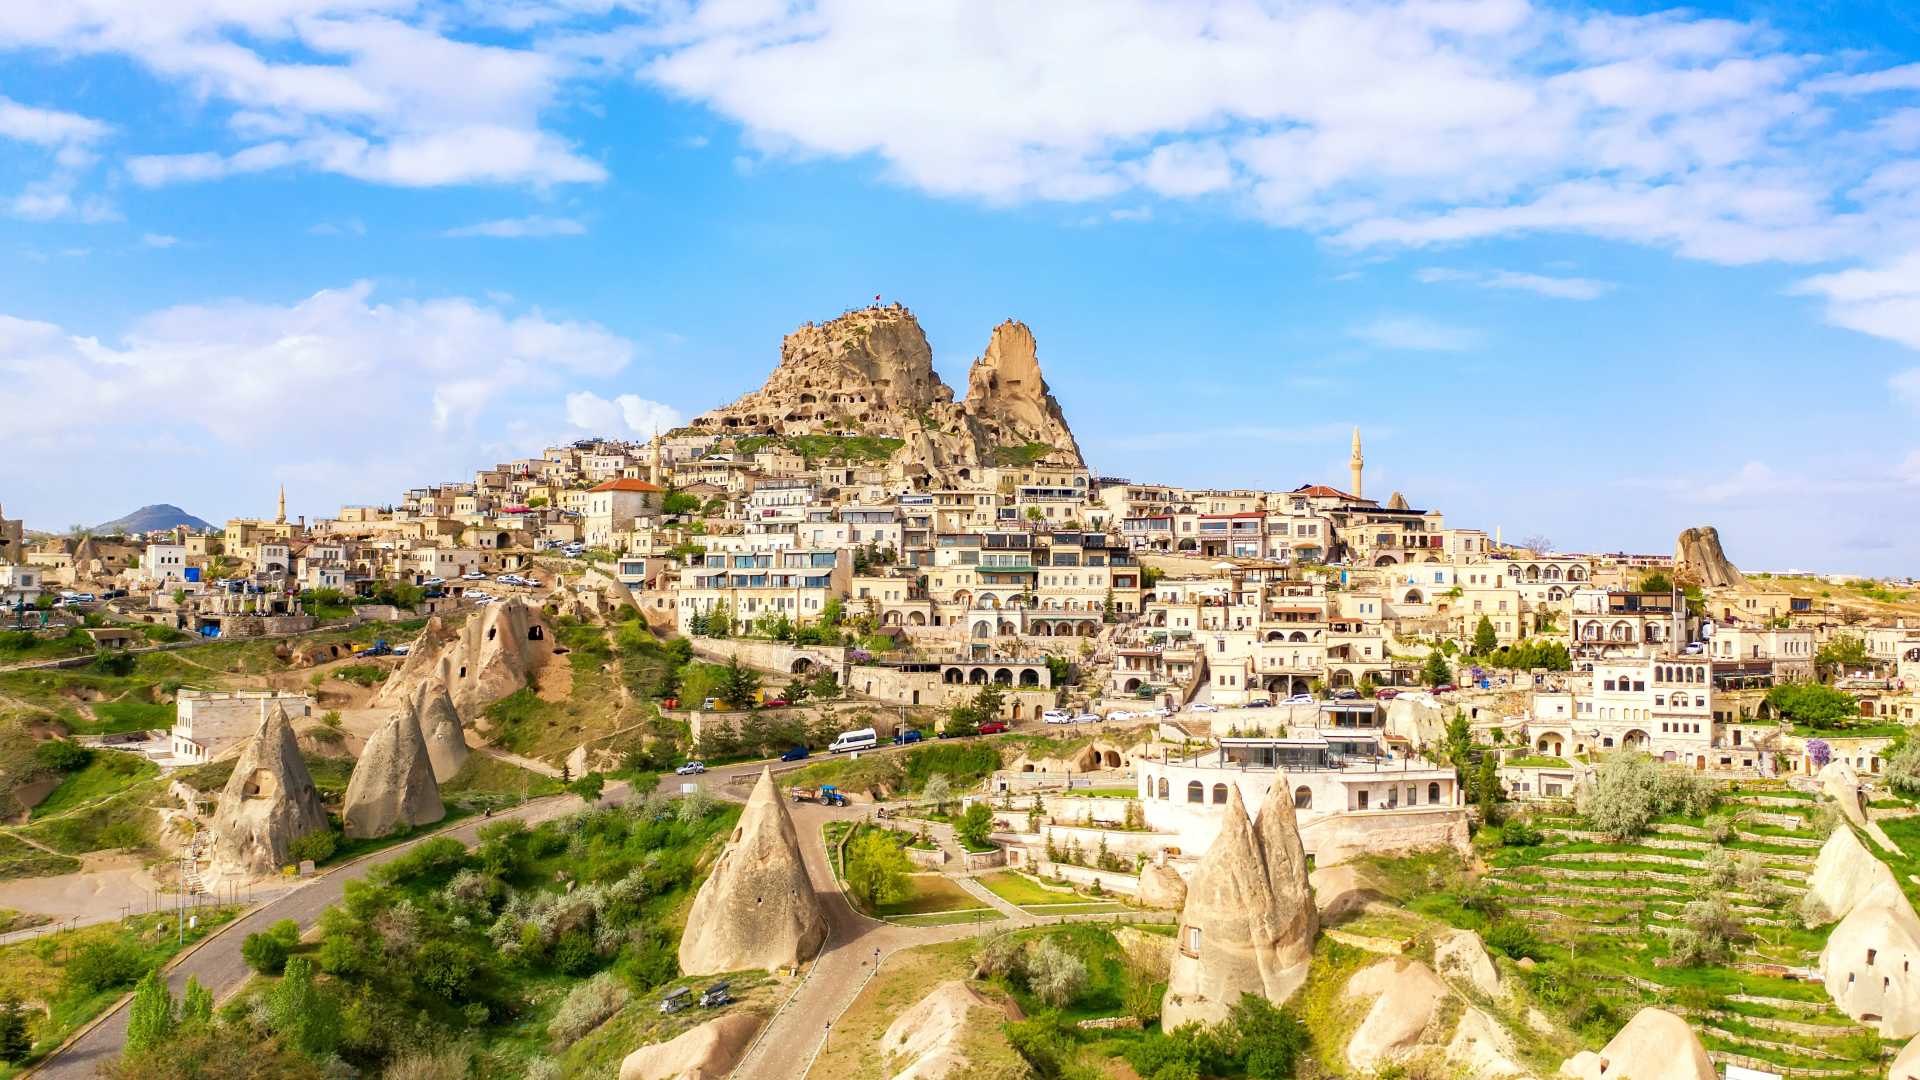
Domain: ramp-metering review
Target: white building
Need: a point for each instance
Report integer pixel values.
(208, 722)
(164, 564)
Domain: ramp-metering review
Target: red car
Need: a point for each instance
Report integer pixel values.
(774, 703)
(1386, 693)
(992, 727)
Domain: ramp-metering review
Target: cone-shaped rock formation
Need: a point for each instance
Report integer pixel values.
(440, 726)
(1249, 920)
(1697, 557)
(392, 784)
(1870, 960)
(758, 908)
(268, 803)
(490, 657)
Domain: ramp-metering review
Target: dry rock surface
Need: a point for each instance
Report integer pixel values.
(1871, 962)
(1845, 874)
(440, 726)
(707, 1052)
(268, 803)
(758, 908)
(1249, 921)
(1655, 1045)
(871, 371)
(490, 657)
(927, 1041)
(1340, 891)
(1162, 887)
(1460, 955)
(1697, 557)
(1406, 998)
(392, 786)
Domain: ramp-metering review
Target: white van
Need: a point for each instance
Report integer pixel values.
(862, 739)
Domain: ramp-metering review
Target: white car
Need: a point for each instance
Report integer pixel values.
(434, 581)
(473, 575)
(691, 768)
(1201, 706)
(1087, 718)
(1123, 714)
(1057, 716)
(1299, 699)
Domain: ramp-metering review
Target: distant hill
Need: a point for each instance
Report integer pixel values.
(152, 519)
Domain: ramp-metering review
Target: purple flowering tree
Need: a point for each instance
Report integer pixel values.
(1819, 753)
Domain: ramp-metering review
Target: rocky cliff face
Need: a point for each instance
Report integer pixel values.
(268, 803)
(440, 725)
(1697, 557)
(871, 372)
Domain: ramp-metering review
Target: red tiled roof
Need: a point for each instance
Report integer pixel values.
(1321, 491)
(625, 484)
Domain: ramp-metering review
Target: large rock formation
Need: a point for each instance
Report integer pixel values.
(1162, 887)
(871, 371)
(490, 657)
(758, 908)
(392, 784)
(1845, 874)
(1868, 962)
(1907, 1065)
(1340, 891)
(440, 726)
(1406, 997)
(707, 1052)
(268, 803)
(928, 1041)
(1460, 956)
(1249, 920)
(1697, 558)
(1655, 1045)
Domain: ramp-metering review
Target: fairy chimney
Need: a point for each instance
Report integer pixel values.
(268, 803)
(758, 908)
(392, 784)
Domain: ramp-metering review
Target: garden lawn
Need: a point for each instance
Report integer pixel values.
(932, 894)
(1017, 888)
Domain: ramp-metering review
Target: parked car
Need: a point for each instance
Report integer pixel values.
(1123, 714)
(691, 768)
(1260, 703)
(1445, 688)
(907, 737)
(434, 581)
(1695, 648)
(1346, 693)
(992, 727)
(716, 995)
(775, 703)
(1387, 693)
(1087, 718)
(798, 753)
(676, 999)
(710, 704)
(1056, 716)
(1299, 699)
(473, 575)
(1202, 706)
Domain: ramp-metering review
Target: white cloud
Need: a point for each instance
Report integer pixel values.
(1560, 288)
(349, 227)
(1883, 300)
(511, 228)
(1413, 333)
(1906, 387)
(159, 240)
(47, 127)
(1751, 479)
(627, 414)
(376, 395)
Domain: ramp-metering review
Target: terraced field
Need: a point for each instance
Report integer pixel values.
(1616, 907)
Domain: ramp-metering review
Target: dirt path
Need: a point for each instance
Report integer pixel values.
(32, 843)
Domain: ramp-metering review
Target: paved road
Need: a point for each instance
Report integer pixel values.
(217, 963)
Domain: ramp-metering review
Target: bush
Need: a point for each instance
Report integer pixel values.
(1520, 834)
(1814, 705)
(1513, 938)
(318, 846)
(118, 663)
(103, 965)
(62, 755)
(1055, 975)
(585, 1008)
(265, 953)
(1631, 790)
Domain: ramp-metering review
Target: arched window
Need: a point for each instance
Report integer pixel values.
(1433, 792)
(1163, 787)
(1219, 794)
(1302, 797)
(1196, 792)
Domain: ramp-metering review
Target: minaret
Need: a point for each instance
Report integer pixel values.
(1356, 463)
(281, 518)
(653, 467)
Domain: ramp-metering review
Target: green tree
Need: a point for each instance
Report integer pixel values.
(151, 1018)
(1486, 788)
(679, 502)
(938, 791)
(1656, 582)
(877, 869)
(302, 1012)
(1436, 672)
(1814, 705)
(265, 953)
(1485, 639)
(590, 786)
(975, 825)
(15, 1041)
(1842, 653)
(987, 703)
(738, 684)
(833, 613)
(196, 1005)
(62, 755)
(1903, 767)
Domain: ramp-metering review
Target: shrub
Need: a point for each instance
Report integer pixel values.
(1520, 834)
(118, 663)
(1630, 790)
(1513, 938)
(62, 755)
(103, 965)
(1000, 955)
(265, 953)
(1055, 975)
(318, 846)
(585, 1008)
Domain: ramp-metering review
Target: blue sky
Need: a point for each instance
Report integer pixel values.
(1598, 272)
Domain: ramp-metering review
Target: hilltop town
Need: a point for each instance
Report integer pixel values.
(861, 728)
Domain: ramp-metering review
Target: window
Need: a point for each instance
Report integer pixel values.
(1196, 792)
(1163, 787)
(1219, 794)
(1303, 798)
(1433, 792)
